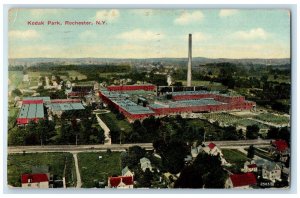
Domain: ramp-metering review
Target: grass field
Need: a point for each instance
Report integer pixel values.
(94, 169)
(234, 157)
(230, 119)
(114, 124)
(12, 115)
(17, 164)
(269, 117)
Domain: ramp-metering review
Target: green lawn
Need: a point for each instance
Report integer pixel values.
(94, 169)
(234, 157)
(17, 164)
(114, 124)
(12, 115)
(213, 132)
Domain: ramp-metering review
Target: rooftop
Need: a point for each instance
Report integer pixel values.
(244, 179)
(31, 111)
(66, 106)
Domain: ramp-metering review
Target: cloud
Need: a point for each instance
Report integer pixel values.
(140, 35)
(41, 12)
(199, 36)
(257, 33)
(88, 34)
(107, 15)
(227, 12)
(26, 34)
(143, 12)
(187, 18)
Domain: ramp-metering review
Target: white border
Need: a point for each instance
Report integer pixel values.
(158, 4)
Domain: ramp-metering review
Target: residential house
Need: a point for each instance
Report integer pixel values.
(250, 167)
(120, 182)
(37, 180)
(145, 163)
(280, 147)
(212, 149)
(127, 172)
(271, 171)
(242, 181)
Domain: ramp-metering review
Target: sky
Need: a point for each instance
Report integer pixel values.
(150, 33)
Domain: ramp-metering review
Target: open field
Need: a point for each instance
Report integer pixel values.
(17, 164)
(114, 124)
(234, 157)
(268, 117)
(229, 119)
(92, 169)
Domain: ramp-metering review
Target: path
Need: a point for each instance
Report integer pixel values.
(78, 185)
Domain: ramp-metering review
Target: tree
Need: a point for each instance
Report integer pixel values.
(173, 156)
(252, 131)
(16, 92)
(251, 152)
(190, 177)
(146, 178)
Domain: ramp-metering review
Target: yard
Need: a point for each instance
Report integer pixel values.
(234, 157)
(114, 124)
(93, 169)
(17, 164)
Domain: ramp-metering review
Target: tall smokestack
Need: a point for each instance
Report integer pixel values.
(189, 72)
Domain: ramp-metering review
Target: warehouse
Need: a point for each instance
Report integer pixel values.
(31, 110)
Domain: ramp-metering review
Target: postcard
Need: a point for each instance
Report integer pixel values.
(149, 98)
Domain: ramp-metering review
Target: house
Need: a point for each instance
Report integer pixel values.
(126, 172)
(280, 148)
(242, 180)
(120, 182)
(37, 180)
(145, 163)
(271, 171)
(212, 149)
(250, 167)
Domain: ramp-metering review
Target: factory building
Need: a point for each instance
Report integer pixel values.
(145, 87)
(176, 103)
(35, 108)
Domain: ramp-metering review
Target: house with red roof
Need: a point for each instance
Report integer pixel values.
(36, 180)
(242, 181)
(250, 167)
(120, 182)
(280, 148)
(212, 149)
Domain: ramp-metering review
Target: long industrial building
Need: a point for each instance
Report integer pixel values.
(176, 103)
(35, 108)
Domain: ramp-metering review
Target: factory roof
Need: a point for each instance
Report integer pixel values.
(45, 99)
(204, 92)
(31, 111)
(186, 103)
(66, 106)
(132, 107)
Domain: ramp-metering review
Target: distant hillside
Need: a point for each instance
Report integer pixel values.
(175, 61)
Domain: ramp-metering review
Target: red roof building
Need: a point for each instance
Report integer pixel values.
(120, 182)
(211, 146)
(244, 180)
(280, 145)
(39, 180)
